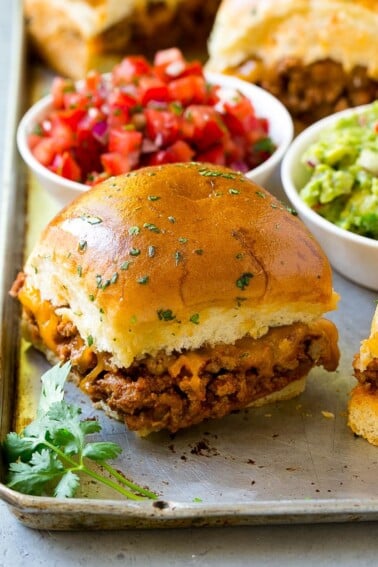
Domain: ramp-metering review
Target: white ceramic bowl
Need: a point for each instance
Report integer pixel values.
(266, 105)
(354, 256)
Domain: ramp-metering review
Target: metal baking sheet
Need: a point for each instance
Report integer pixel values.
(291, 462)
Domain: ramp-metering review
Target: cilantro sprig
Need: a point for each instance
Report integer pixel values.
(50, 455)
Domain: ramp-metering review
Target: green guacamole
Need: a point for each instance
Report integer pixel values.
(343, 167)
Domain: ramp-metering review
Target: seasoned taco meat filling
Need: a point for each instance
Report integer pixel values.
(313, 91)
(177, 390)
(369, 377)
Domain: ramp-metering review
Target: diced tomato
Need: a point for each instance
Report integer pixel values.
(165, 57)
(181, 151)
(120, 105)
(188, 90)
(64, 137)
(70, 117)
(170, 64)
(68, 167)
(59, 88)
(34, 139)
(92, 81)
(162, 126)
(118, 116)
(124, 141)
(115, 163)
(80, 101)
(152, 89)
(44, 151)
(130, 69)
(240, 116)
(121, 99)
(193, 68)
(186, 127)
(88, 149)
(178, 152)
(208, 126)
(214, 155)
(234, 148)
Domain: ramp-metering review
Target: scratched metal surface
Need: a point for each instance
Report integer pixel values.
(283, 463)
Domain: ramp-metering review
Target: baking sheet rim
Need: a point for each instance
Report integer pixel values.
(26, 507)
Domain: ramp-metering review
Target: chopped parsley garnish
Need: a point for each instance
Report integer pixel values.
(239, 255)
(198, 251)
(82, 244)
(194, 318)
(172, 219)
(89, 340)
(104, 284)
(233, 191)
(151, 227)
(151, 251)
(260, 194)
(125, 265)
(134, 251)
(183, 240)
(153, 198)
(143, 280)
(134, 230)
(292, 211)
(165, 315)
(214, 173)
(80, 271)
(91, 219)
(244, 279)
(91, 297)
(178, 257)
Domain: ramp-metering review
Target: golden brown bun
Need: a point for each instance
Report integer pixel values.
(369, 346)
(290, 391)
(177, 256)
(74, 36)
(309, 30)
(363, 413)
(363, 402)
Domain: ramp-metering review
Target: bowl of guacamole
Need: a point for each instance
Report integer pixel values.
(330, 175)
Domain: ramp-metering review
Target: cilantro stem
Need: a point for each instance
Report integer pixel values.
(110, 483)
(128, 483)
(80, 467)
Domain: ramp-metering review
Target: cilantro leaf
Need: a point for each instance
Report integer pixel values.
(101, 451)
(49, 455)
(31, 477)
(53, 386)
(67, 486)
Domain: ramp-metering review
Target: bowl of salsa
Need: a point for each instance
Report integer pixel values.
(141, 114)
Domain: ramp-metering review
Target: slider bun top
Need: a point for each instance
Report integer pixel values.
(310, 30)
(175, 256)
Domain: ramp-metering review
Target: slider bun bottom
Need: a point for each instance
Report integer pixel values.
(290, 391)
(363, 414)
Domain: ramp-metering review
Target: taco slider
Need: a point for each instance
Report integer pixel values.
(179, 293)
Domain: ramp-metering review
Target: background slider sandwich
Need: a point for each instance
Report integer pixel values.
(317, 56)
(363, 402)
(179, 293)
(75, 36)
